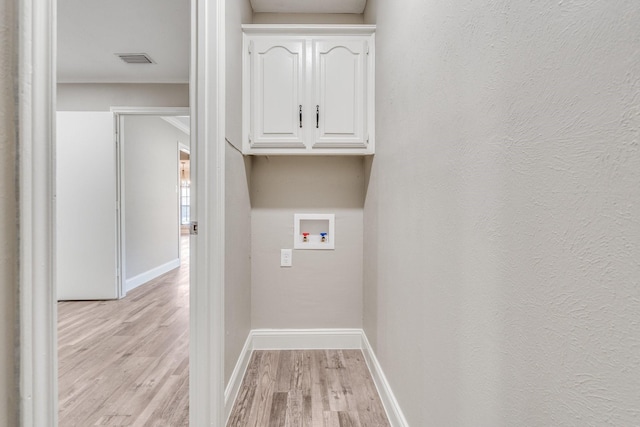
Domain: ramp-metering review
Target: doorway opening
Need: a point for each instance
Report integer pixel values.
(37, 232)
(150, 143)
(185, 191)
(126, 360)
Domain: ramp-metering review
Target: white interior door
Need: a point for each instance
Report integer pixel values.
(85, 206)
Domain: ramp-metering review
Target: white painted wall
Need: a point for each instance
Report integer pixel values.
(103, 96)
(323, 289)
(151, 196)
(502, 230)
(8, 215)
(237, 292)
(85, 206)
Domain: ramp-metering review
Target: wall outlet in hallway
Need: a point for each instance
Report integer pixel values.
(286, 256)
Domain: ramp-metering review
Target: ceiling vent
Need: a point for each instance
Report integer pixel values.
(135, 58)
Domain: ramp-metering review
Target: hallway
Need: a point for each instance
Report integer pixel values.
(126, 362)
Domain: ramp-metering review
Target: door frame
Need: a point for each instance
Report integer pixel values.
(38, 364)
(119, 113)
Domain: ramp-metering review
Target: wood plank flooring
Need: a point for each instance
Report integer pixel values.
(308, 388)
(126, 362)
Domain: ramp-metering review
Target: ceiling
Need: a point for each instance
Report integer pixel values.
(92, 32)
(182, 123)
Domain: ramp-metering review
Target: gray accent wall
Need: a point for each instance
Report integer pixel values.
(502, 216)
(237, 291)
(151, 193)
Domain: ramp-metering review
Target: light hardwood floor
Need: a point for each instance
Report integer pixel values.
(125, 362)
(308, 388)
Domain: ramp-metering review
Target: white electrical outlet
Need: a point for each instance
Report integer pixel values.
(286, 256)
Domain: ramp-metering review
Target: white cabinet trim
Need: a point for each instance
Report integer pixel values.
(308, 29)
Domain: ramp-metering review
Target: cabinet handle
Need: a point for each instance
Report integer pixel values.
(317, 115)
(300, 111)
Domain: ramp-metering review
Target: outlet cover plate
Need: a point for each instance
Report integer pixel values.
(286, 257)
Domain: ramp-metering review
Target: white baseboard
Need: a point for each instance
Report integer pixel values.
(142, 278)
(314, 339)
(231, 392)
(394, 413)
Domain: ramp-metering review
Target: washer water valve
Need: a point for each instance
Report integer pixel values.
(314, 231)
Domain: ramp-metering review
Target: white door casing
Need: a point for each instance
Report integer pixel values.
(38, 380)
(206, 299)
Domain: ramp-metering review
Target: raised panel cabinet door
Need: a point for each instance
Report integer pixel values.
(277, 93)
(340, 91)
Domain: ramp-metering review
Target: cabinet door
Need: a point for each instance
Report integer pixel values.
(340, 80)
(277, 93)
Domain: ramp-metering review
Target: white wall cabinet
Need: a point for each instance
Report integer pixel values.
(308, 89)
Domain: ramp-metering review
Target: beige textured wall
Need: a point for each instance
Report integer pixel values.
(307, 18)
(323, 289)
(8, 213)
(503, 216)
(238, 207)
